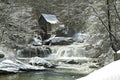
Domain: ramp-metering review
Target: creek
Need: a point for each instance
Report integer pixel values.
(73, 61)
(43, 75)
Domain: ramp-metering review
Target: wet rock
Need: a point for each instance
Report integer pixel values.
(41, 62)
(2, 55)
(117, 55)
(94, 66)
(7, 72)
(72, 62)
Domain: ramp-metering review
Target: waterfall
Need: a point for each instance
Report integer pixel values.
(76, 52)
(70, 50)
(29, 52)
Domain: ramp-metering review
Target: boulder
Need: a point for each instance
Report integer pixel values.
(2, 55)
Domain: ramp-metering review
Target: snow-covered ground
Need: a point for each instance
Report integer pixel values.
(109, 72)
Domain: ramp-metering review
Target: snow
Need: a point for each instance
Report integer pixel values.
(8, 61)
(59, 39)
(40, 61)
(37, 42)
(109, 72)
(1, 52)
(8, 65)
(51, 37)
(50, 18)
(14, 66)
(118, 51)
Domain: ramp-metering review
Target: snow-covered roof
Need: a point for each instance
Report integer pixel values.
(50, 18)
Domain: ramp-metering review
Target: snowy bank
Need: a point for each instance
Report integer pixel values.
(109, 72)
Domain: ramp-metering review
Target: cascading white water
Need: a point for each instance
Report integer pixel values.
(33, 51)
(71, 51)
(84, 53)
(76, 52)
(77, 49)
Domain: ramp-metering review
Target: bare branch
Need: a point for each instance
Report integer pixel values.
(106, 27)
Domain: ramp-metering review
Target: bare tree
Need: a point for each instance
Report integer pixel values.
(114, 41)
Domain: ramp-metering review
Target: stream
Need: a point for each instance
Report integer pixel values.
(43, 75)
(73, 61)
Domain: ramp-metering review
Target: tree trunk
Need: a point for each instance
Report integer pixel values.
(109, 21)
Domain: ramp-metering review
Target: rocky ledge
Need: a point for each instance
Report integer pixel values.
(9, 66)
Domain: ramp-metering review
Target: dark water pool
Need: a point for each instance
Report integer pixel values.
(44, 75)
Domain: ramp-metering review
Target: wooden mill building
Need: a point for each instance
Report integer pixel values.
(48, 23)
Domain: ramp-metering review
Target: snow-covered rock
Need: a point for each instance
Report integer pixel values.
(9, 66)
(27, 67)
(37, 42)
(109, 72)
(118, 52)
(60, 41)
(41, 62)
